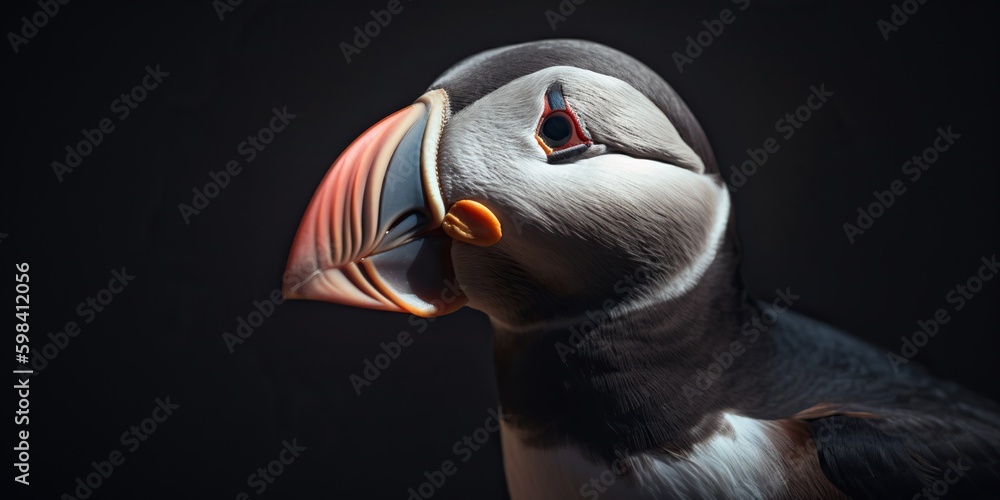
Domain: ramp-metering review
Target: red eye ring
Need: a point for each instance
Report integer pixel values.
(559, 132)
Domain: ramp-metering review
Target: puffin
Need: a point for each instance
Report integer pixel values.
(565, 190)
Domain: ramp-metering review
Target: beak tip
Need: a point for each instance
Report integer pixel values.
(297, 275)
(288, 294)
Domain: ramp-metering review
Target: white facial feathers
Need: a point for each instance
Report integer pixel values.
(638, 198)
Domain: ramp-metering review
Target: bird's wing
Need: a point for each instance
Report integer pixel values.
(909, 452)
(879, 432)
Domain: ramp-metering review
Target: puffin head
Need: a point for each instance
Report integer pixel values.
(528, 182)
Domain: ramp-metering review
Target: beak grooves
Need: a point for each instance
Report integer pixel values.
(366, 237)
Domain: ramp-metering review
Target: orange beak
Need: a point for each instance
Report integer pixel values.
(372, 235)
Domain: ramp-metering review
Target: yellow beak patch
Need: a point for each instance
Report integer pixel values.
(471, 222)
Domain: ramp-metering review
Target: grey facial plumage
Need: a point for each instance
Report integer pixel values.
(644, 199)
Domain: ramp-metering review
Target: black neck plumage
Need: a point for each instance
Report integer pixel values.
(644, 381)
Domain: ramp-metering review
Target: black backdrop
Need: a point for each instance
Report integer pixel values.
(163, 334)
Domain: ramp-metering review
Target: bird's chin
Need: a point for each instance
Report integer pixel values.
(372, 235)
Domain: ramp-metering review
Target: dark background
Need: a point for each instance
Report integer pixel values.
(162, 336)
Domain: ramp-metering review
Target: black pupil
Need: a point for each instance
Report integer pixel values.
(556, 130)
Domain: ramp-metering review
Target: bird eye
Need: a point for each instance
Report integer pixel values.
(557, 130)
(559, 133)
